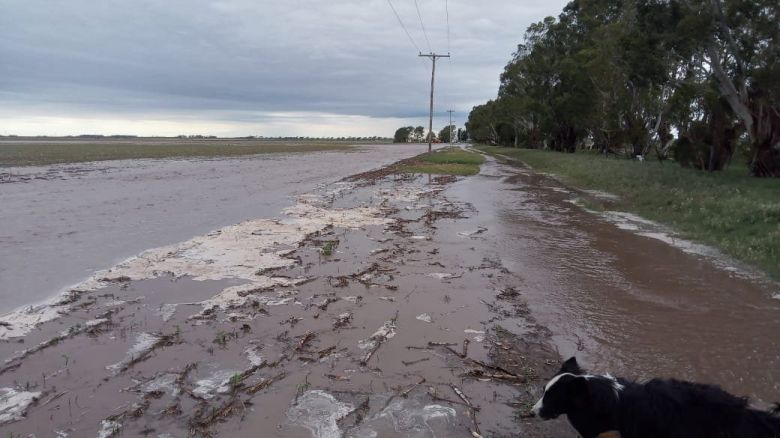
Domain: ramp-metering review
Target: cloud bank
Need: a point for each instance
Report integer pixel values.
(247, 67)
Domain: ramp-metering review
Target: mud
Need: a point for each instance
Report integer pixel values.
(305, 326)
(627, 296)
(388, 305)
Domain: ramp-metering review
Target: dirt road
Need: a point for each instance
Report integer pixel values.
(381, 306)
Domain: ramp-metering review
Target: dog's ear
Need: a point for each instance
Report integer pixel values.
(571, 366)
(579, 391)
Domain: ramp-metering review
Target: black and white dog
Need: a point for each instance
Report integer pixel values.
(657, 409)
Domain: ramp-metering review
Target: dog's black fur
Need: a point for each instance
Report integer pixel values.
(658, 409)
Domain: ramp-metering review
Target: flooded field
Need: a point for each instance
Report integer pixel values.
(381, 305)
(61, 223)
(371, 308)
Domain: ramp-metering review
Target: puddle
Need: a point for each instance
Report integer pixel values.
(410, 418)
(319, 412)
(627, 296)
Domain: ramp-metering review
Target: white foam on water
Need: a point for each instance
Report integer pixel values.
(472, 233)
(477, 335)
(253, 355)
(166, 311)
(96, 322)
(599, 194)
(143, 343)
(441, 275)
(20, 323)
(386, 331)
(234, 252)
(165, 382)
(319, 412)
(424, 317)
(217, 383)
(109, 428)
(409, 418)
(407, 194)
(14, 403)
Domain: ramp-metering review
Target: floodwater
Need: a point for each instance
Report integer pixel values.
(628, 304)
(389, 306)
(59, 224)
(399, 329)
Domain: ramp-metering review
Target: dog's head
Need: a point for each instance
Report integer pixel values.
(565, 390)
(590, 402)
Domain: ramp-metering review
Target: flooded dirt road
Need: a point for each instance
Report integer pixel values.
(371, 309)
(625, 303)
(61, 223)
(384, 305)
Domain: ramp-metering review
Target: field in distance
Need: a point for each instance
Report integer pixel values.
(36, 151)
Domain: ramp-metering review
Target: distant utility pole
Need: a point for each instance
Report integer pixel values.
(433, 57)
(450, 126)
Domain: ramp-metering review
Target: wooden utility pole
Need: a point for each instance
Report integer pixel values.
(433, 57)
(450, 127)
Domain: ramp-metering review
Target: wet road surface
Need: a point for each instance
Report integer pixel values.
(628, 304)
(402, 306)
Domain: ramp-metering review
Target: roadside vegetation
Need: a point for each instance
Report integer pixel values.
(729, 210)
(76, 151)
(696, 82)
(449, 161)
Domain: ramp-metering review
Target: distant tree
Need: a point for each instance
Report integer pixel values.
(403, 134)
(446, 133)
(419, 133)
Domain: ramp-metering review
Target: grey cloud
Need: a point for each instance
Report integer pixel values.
(328, 56)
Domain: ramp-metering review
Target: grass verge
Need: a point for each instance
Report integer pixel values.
(449, 161)
(57, 152)
(729, 210)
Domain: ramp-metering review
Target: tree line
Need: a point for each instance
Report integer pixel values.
(411, 134)
(697, 81)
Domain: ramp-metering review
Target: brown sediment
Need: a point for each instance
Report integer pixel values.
(339, 336)
(317, 342)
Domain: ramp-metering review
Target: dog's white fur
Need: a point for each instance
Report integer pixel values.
(616, 386)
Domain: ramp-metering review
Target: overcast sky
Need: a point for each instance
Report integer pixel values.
(248, 67)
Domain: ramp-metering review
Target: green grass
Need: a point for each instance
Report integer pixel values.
(328, 248)
(728, 210)
(38, 153)
(449, 161)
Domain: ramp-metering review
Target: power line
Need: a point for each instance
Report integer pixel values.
(447, 13)
(398, 17)
(416, 6)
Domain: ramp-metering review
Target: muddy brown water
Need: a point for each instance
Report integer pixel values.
(628, 304)
(357, 350)
(60, 223)
(500, 262)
